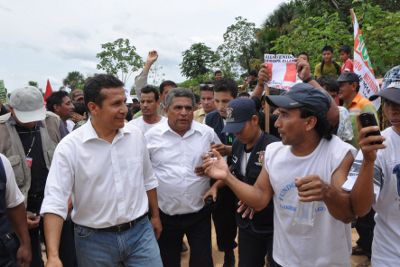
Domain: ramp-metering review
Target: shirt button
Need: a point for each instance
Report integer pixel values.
(117, 180)
(115, 163)
(120, 198)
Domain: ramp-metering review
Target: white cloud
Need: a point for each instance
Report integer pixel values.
(52, 38)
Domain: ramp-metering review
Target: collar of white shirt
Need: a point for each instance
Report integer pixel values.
(90, 133)
(194, 127)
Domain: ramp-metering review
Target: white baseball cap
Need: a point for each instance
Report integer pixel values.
(28, 104)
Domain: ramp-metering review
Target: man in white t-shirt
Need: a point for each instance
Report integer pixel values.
(309, 165)
(374, 178)
(149, 102)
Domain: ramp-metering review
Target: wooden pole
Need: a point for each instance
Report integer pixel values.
(352, 14)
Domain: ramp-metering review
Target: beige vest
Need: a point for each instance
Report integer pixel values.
(11, 147)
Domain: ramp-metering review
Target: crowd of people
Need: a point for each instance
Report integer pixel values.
(103, 183)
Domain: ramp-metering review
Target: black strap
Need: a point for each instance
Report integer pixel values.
(33, 141)
(3, 175)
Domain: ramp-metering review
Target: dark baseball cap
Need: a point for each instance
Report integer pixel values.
(348, 77)
(390, 86)
(238, 112)
(301, 95)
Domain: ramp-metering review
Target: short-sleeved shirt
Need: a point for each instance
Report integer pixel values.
(385, 248)
(14, 196)
(359, 105)
(347, 66)
(199, 115)
(327, 70)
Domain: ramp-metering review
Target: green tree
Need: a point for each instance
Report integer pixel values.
(133, 90)
(33, 83)
(120, 59)
(73, 80)
(239, 46)
(197, 60)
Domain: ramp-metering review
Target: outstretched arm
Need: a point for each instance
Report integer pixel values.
(257, 196)
(362, 193)
(141, 79)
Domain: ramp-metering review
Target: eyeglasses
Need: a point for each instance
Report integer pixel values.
(211, 85)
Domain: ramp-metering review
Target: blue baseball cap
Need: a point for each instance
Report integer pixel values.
(390, 86)
(301, 95)
(238, 112)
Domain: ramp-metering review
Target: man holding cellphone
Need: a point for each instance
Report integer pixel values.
(374, 178)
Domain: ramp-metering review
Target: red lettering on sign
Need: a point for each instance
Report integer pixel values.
(269, 68)
(370, 83)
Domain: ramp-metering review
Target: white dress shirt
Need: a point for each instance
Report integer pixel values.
(107, 182)
(144, 126)
(174, 159)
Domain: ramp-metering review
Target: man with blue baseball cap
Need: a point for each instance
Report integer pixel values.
(309, 165)
(375, 175)
(248, 151)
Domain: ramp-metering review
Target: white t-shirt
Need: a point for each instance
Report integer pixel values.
(144, 126)
(328, 242)
(386, 243)
(14, 196)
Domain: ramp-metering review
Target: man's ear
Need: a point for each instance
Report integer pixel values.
(165, 110)
(158, 102)
(310, 123)
(254, 120)
(354, 86)
(56, 107)
(92, 108)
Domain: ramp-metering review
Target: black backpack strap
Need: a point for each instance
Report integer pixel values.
(322, 66)
(337, 67)
(3, 175)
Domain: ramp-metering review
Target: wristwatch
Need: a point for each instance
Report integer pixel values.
(308, 79)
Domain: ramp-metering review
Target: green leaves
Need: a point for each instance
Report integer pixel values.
(119, 57)
(197, 60)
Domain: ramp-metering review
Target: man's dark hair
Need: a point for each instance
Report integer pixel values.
(241, 94)
(216, 72)
(323, 127)
(226, 85)
(304, 53)
(134, 100)
(56, 98)
(3, 110)
(345, 48)
(80, 108)
(197, 98)
(94, 85)
(135, 109)
(166, 83)
(253, 73)
(272, 91)
(331, 84)
(207, 86)
(327, 48)
(179, 92)
(129, 115)
(150, 89)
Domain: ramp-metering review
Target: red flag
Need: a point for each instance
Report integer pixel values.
(49, 91)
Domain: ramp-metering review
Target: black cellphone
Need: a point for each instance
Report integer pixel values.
(209, 200)
(367, 119)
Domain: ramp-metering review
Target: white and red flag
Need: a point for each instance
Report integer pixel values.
(363, 67)
(282, 69)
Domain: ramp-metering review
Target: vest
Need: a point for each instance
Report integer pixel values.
(263, 221)
(11, 146)
(5, 226)
(215, 121)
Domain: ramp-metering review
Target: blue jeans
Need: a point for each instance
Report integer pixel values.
(136, 246)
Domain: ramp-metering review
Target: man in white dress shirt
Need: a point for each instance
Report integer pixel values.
(149, 103)
(105, 167)
(175, 149)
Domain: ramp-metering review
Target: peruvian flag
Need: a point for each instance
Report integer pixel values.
(49, 91)
(282, 68)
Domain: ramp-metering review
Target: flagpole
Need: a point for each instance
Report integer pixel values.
(352, 14)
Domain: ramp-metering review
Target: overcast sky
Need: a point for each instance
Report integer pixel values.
(45, 39)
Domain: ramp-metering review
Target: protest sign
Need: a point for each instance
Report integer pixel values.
(128, 96)
(282, 69)
(3, 93)
(362, 65)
